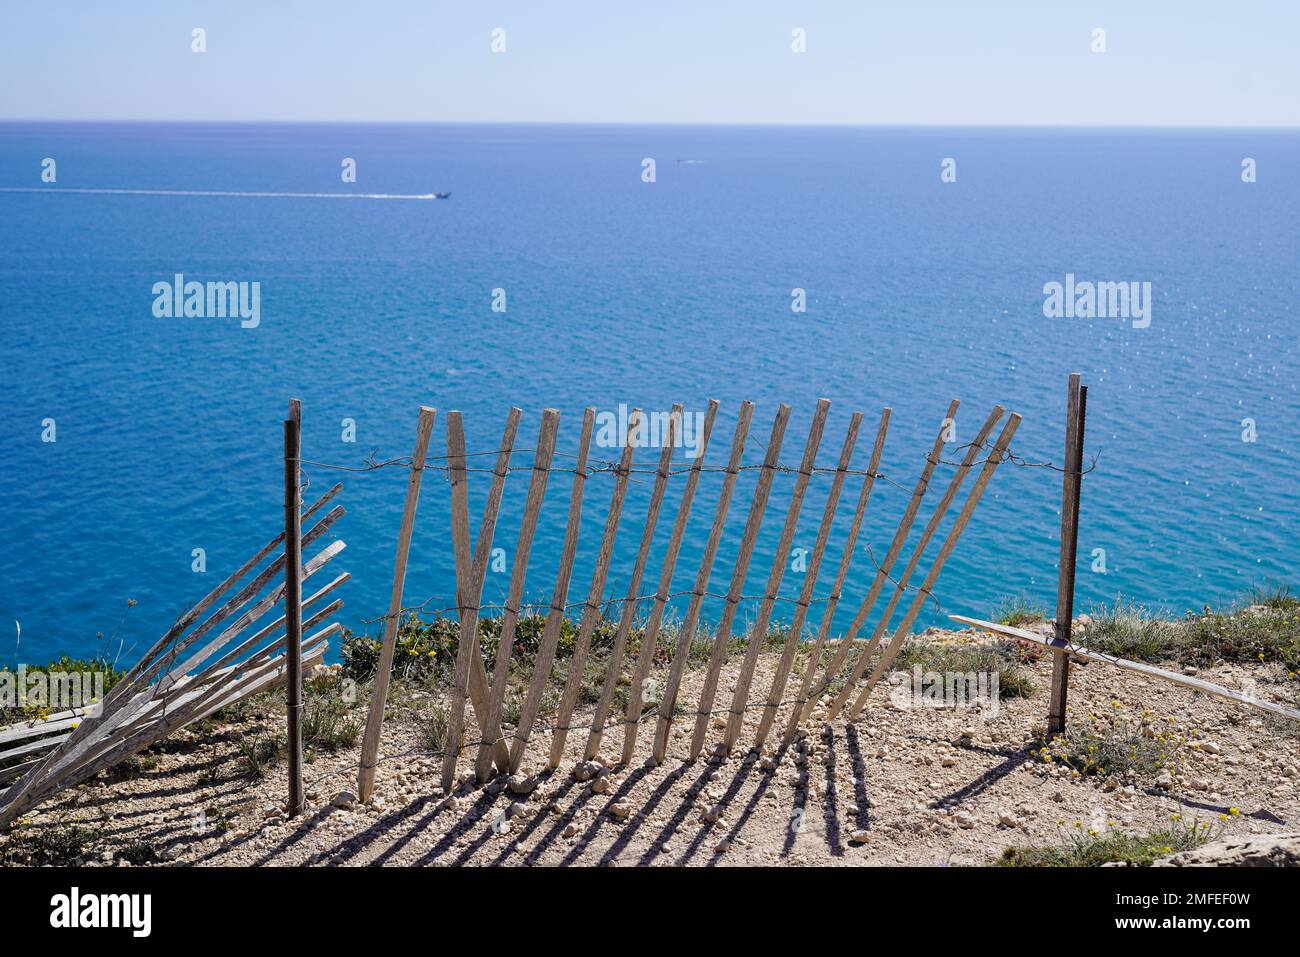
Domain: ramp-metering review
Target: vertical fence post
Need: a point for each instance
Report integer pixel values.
(293, 600)
(1076, 409)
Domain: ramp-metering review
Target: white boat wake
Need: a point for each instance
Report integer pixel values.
(212, 192)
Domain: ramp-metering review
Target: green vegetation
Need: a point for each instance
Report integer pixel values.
(258, 755)
(329, 723)
(962, 657)
(1090, 848)
(1117, 743)
(1018, 611)
(1264, 627)
(134, 766)
(46, 845)
(39, 705)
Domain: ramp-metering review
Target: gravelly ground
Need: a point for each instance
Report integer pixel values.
(900, 786)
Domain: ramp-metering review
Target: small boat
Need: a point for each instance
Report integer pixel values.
(442, 195)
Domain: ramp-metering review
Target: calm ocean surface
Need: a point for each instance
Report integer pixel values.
(619, 291)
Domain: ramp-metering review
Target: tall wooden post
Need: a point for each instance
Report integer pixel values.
(293, 600)
(1076, 409)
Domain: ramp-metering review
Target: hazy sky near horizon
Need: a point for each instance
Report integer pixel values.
(1192, 63)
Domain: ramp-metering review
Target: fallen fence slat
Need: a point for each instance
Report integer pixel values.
(37, 727)
(1088, 654)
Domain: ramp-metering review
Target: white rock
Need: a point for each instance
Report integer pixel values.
(345, 800)
(520, 784)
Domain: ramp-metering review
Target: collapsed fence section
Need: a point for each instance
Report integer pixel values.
(199, 666)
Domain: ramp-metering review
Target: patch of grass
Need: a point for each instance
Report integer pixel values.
(328, 723)
(47, 845)
(137, 854)
(130, 768)
(1117, 743)
(1270, 633)
(434, 727)
(1090, 848)
(1129, 630)
(1268, 637)
(1018, 610)
(258, 755)
(960, 657)
(1277, 597)
(45, 683)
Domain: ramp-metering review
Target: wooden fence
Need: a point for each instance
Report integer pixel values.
(492, 748)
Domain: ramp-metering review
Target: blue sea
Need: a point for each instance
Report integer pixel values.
(620, 291)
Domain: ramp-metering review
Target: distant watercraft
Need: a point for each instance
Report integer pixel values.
(442, 195)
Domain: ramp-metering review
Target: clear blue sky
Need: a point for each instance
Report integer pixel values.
(995, 62)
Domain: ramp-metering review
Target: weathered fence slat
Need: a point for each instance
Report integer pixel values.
(836, 663)
(758, 634)
(93, 733)
(559, 598)
(469, 577)
(1088, 654)
(191, 616)
(635, 702)
(757, 508)
(138, 738)
(595, 593)
(993, 460)
(165, 661)
(254, 612)
(614, 667)
(832, 601)
(244, 646)
(379, 693)
(478, 683)
(795, 634)
(918, 552)
(36, 727)
(668, 703)
(510, 619)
